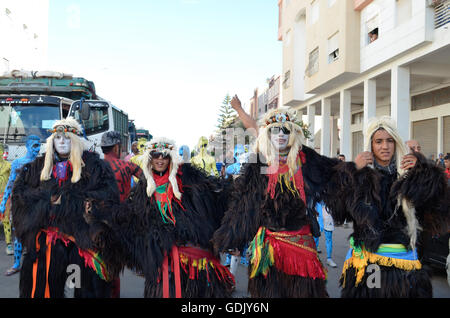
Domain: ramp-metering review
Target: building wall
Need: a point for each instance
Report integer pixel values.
(402, 26)
(338, 20)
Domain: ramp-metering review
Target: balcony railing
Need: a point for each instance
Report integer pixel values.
(441, 13)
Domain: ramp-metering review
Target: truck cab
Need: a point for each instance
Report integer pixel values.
(23, 115)
(99, 117)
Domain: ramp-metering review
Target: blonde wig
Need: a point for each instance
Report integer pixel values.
(389, 125)
(263, 144)
(71, 129)
(168, 147)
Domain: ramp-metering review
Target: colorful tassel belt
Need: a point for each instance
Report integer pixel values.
(91, 258)
(387, 255)
(292, 252)
(192, 260)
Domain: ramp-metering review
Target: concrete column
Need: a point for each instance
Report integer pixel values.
(325, 140)
(400, 100)
(370, 101)
(345, 114)
(311, 113)
(440, 135)
(334, 136)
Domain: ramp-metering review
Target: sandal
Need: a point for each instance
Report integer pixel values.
(12, 271)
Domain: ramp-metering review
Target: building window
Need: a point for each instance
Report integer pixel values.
(357, 118)
(313, 64)
(314, 11)
(287, 40)
(372, 28)
(333, 48)
(372, 35)
(286, 81)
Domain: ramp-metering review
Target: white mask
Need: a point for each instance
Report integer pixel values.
(279, 140)
(62, 144)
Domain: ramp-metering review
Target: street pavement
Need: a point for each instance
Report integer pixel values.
(132, 286)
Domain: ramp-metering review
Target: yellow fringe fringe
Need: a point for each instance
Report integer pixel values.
(286, 179)
(200, 263)
(360, 263)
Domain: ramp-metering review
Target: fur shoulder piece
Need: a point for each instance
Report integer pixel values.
(425, 187)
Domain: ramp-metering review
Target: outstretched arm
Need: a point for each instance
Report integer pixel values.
(247, 120)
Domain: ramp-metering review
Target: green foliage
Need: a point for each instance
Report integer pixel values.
(227, 114)
(306, 132)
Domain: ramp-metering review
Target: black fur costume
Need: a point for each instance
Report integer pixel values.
(251, 207)
(32, 212)
(146, 238)
(371, 202)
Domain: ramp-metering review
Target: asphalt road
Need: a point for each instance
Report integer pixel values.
(132, 286)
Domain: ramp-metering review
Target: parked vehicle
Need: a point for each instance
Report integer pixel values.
(30, 102)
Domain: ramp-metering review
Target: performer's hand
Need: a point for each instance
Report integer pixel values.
(55, 199)
(408, 162)
(235, 103)
(363, 159)
(235, 252)
(88, 206)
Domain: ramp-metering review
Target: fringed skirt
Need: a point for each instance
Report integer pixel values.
(47, 266)
(191, 272)
(285, 264)
(391, 272)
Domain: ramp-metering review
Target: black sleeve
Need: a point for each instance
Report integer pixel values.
(30, 204)
(242, 218)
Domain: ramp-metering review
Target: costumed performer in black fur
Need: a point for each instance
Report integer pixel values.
(166, 226)
(272, 206)
(393, 194)
(50, 199)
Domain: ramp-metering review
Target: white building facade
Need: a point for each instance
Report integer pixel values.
(403, 72)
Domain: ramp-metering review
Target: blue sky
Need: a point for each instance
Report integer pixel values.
(167, 63)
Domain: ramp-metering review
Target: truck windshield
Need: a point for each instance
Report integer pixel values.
(19, 121)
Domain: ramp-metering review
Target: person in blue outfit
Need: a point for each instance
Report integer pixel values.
(33, 146)
(327, 227)
(185, 153)
(233, 170)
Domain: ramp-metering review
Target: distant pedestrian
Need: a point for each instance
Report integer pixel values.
(123, 170)
(440, 161)
(134, 151)
(5, 169)
(447, 167)
(413, 145)
(327, 227)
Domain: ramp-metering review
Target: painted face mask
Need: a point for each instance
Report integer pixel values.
(62, 144)
(33, 147)
(279, 138)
